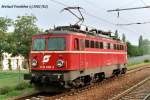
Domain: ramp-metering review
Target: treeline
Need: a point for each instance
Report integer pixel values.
(18, 41)
(143, 48)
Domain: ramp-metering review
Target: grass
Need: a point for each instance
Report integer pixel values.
(136, 65)
(10, 78)
(14, 81)
(15, 93)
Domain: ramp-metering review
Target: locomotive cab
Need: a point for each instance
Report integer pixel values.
(48, 60)
(52, 57)
(44, 54)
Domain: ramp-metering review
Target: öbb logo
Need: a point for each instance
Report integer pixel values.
(46, 58)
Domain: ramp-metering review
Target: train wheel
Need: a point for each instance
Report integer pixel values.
(116, 72)
(101, 77)
(78, 83)
(124, 70)
(88, 80)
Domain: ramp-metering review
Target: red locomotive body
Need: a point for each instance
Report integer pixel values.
(73, 57)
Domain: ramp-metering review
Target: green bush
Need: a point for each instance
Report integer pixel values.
(25, 64)
(22, 85)
(30, 86)
(4, 90)
(146, 60)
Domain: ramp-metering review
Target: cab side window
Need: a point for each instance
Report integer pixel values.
(101, 45)
(82, 44)
(108, 46)
(76, 44)
(87, 43)
(96, 44)
(92, 44)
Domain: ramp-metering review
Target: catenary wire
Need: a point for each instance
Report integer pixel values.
(96, 17)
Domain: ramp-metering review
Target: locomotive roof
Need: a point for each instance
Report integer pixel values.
(75, 29)
(79, 33)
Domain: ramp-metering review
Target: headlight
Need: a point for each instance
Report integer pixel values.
(34, 63)
(60, 63)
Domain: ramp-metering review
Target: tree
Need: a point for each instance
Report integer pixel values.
(129, 47)
(116, 34)
(132, 50)
(141, 44)
(25, 28)
(140, 41)
(4, 24)
(146, 45)
(123, 38)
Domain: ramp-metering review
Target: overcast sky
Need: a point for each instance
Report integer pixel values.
(48, 17)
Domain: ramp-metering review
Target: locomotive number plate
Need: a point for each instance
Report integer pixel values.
(46, 66)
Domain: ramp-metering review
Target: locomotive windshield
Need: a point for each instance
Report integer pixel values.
(56, 44)
(39, 44)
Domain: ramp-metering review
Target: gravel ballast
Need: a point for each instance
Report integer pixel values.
(111, 87)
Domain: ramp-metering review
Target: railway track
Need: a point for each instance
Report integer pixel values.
(147, 97)
(139, 91)
(86, 88)
(69, 93)
(79, 90)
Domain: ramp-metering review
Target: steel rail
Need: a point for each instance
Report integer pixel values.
(117, 97)
(148, 96)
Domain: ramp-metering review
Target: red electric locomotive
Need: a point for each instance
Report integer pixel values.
(67, 57)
